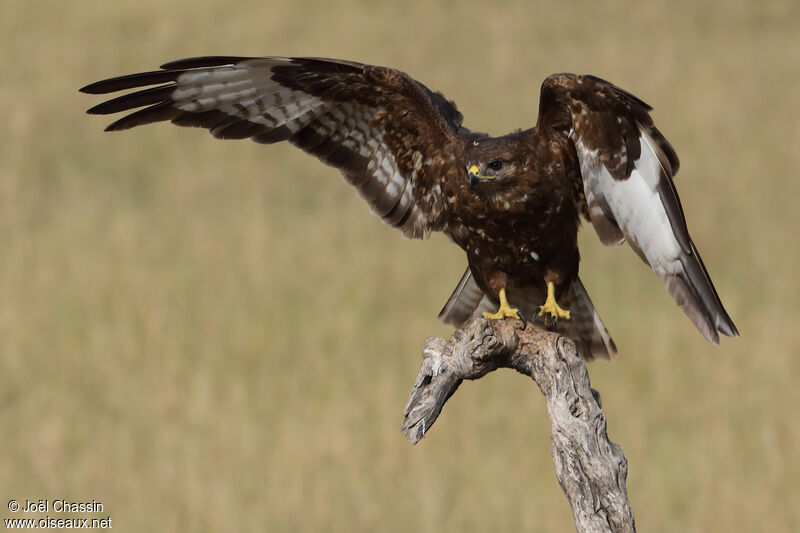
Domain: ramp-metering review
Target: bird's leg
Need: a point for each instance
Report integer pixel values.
(505, 310)
(551, 307)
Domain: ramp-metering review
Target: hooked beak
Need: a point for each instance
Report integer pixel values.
(474, 176)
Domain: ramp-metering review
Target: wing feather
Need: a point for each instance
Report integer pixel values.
(372, 123)
(627, 167)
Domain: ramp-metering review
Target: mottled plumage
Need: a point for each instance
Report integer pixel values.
(513, 203)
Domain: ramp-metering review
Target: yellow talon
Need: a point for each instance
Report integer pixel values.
(550, 306)
(505, 310)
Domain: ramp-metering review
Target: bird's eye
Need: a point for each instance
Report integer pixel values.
(496, 165)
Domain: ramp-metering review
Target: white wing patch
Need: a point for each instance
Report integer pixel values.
(634, 204)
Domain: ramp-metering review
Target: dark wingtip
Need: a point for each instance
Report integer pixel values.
(160, 112)
(153, 95)
(728, 328)
(93, 88)
(203, 61)
(118, 125)
(131, 81)
(167, 74)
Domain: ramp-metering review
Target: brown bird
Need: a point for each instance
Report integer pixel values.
(512, 203)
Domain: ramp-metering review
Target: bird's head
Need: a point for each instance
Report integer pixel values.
(481, 171)
(492, 163)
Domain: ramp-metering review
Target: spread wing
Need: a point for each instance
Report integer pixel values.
(378, 126)
(627, 168)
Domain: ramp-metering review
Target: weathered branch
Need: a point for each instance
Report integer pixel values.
(590, 468)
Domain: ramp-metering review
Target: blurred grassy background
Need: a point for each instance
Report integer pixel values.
(211, 336)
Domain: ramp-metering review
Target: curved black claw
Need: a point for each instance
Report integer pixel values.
(522, 319)
(549, 322)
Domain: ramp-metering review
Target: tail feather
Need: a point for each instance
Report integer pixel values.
(461, 305)
(586, 328)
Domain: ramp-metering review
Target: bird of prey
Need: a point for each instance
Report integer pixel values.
(512, 203)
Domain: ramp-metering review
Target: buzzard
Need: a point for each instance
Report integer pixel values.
(512, 203)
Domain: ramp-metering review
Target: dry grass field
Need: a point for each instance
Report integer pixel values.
(218, 336)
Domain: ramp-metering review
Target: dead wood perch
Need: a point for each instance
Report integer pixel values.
(590, 468)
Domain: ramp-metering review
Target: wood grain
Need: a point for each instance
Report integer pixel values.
(590, 468)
